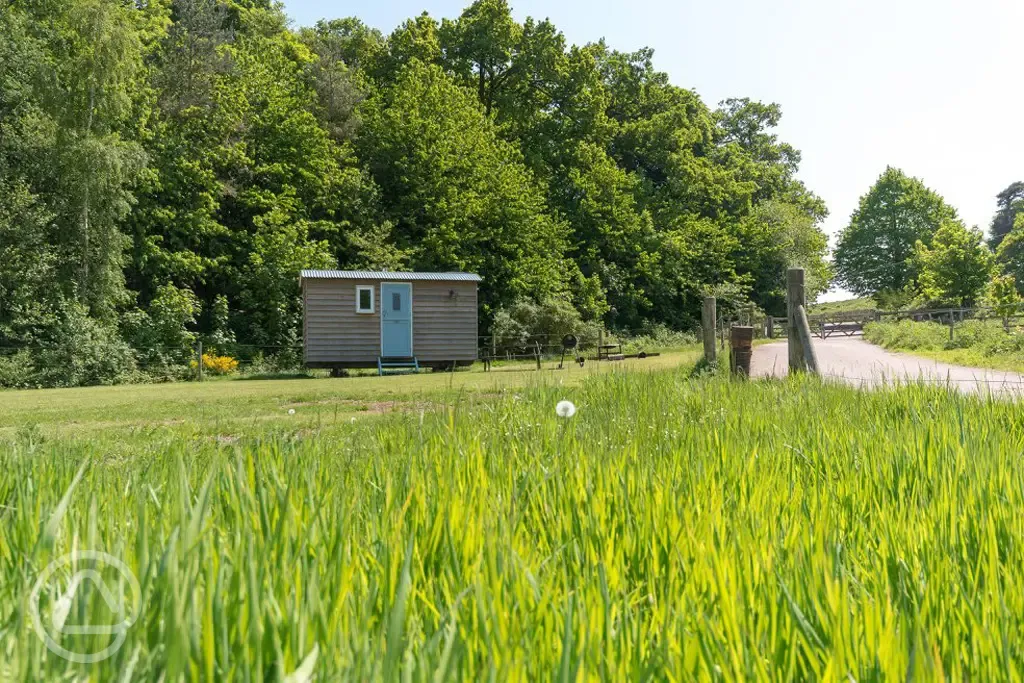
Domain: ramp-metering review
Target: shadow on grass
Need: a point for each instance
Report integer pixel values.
(278, 375)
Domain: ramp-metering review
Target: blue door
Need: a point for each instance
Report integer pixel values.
(396, 320)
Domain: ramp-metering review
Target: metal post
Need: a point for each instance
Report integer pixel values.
(199, 359)
(795, 297)
(709, 323)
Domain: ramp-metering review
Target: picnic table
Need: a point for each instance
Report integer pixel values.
(609, 352)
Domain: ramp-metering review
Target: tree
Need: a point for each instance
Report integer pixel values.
(875, 251)
(776, 237)
(417, 38)
(336, 83)
(480, 45)
(458, 195)
(746, 140)
(191, 56)
(97, 60)
(1010, 253)
(28, 257)
(269, 291)
(956, 267)
(1001, 293)
(1010, 204)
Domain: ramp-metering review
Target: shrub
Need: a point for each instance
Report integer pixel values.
(83, 351)
(547, 322)
(909, 335)
(288, 362)
(172, 312)
(658, 337)
(985, 337)
(217, 365)
(17, 370)
(221, 335)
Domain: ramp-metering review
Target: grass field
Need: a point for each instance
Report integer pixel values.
(863, 304)
(678, 527)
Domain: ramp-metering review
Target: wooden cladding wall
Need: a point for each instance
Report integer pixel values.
(444, 322)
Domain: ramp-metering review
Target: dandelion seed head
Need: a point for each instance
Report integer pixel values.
(565, 409)
(291, 411)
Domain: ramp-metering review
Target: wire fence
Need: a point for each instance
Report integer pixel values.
(589, 344)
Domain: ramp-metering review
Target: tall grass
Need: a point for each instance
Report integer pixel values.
(983, 343)
(673, 529)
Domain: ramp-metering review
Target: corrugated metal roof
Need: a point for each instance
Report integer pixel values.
(388, 275)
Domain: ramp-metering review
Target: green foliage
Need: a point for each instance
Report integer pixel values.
(17, 369)
(82, 351)
(875, 252)
(955, 268)
(1010, 203)
(171, 313)
(1010, 253)
(1001, 294)
(459, 196)
(207, 145)
(779, 236)
(983, 343)
(908, 335)
(221, 335)
(526, 322)
(655, 338)
(897, 299)
(271, 299)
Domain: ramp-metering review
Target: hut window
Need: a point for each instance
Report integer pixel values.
(364, 299)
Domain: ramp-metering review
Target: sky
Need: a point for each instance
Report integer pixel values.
(934, 87)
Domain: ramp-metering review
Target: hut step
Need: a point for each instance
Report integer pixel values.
(396, 365)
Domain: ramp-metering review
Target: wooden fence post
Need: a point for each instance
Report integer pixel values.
(537, 352)
(770, 329)
(806, 341)
(709, 325)
(795, 297)
(199, 360)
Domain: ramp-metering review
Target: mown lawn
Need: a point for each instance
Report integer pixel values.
(234, 407)
(676, 528)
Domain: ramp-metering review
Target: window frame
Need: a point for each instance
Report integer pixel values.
(373, 300)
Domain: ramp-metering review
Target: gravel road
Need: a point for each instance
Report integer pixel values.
(857, 362)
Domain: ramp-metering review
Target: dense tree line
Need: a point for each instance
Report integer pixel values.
(905, 246)
(168, 166)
